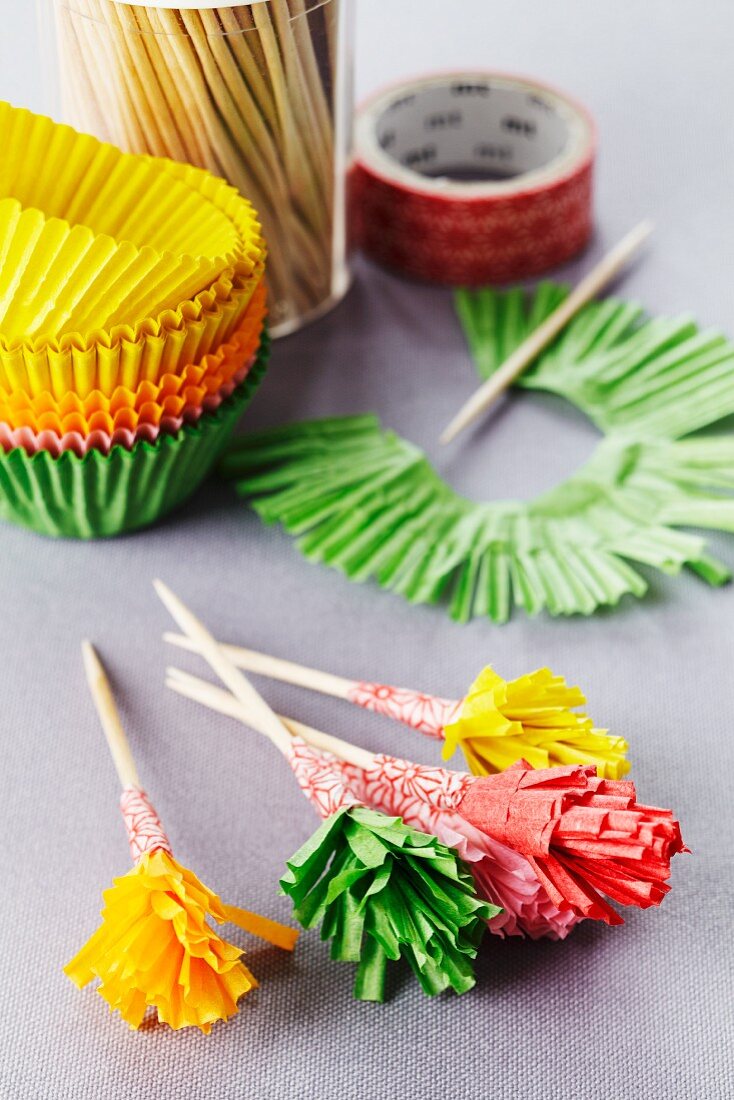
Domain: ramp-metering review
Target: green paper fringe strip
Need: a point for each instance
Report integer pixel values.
(368, 503)
(382, 891)
(658, 378)
(100, 495)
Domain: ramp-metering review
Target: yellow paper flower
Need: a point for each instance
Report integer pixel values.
(531, 718)
(155, 947)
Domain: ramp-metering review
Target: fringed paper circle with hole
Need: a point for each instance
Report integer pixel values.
(368, 503)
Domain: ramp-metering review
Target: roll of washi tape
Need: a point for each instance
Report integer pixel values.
(472, 178)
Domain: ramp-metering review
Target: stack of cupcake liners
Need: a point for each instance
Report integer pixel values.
(132, 311)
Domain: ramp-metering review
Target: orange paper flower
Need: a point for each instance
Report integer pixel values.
(155, 947)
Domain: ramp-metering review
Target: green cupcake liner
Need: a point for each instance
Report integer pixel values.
(98, 495)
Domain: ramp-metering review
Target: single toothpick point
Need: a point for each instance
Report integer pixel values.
(109, 717)
(92, 663)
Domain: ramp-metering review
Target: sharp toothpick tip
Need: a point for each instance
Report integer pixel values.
(90, 656)
(165, 595)
(641, 232)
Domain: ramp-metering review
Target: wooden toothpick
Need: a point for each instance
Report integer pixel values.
(239, 685)
(521, 358)
(215, 699)
(273, 667)
(104, 701)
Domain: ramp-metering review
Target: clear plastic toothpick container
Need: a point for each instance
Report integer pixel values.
(259, 93)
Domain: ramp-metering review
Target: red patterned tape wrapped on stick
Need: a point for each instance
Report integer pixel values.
(473, 178)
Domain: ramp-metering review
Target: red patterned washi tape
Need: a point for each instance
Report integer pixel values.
(144, 830)
(426, 713)
(473, 178)
(320, 778)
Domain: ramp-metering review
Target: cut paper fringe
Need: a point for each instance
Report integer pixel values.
(587, 839)
(368, 503)
(501, 875)
(380, 890)
(640, 378)
(533, 717)
(502, 721)
(155, 947)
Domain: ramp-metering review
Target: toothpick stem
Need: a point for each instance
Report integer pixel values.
(104, 701)
(273, 667)
(216, 699)
(240, 687)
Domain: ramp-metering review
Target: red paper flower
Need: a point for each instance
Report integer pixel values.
(584, 836)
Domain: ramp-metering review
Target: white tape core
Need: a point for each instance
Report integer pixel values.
(472, 132)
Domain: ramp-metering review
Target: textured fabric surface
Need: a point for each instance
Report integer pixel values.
(611, 1014)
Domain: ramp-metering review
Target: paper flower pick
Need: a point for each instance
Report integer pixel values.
(502, 876)
(380, 890)
(155, 947)
(369, 504)
(587, 839)
(497, 723)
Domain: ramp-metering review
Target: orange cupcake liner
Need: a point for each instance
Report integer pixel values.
(174, 396)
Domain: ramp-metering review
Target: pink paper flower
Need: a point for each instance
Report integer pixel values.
(502, 876)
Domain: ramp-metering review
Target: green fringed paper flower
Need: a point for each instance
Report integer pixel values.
(382, 891)
(368, 503)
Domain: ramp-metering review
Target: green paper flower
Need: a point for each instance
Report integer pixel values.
(368, 503)
(382, 891)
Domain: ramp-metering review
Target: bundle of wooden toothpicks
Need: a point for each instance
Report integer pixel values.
(244, 91)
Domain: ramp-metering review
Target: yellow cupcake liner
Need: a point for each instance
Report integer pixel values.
(54, 276)
(84, 181)
(146, 212)
(176, 397)
(238, 210)
(128, 355)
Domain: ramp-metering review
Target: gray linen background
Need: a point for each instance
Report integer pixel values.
(641, 1011)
